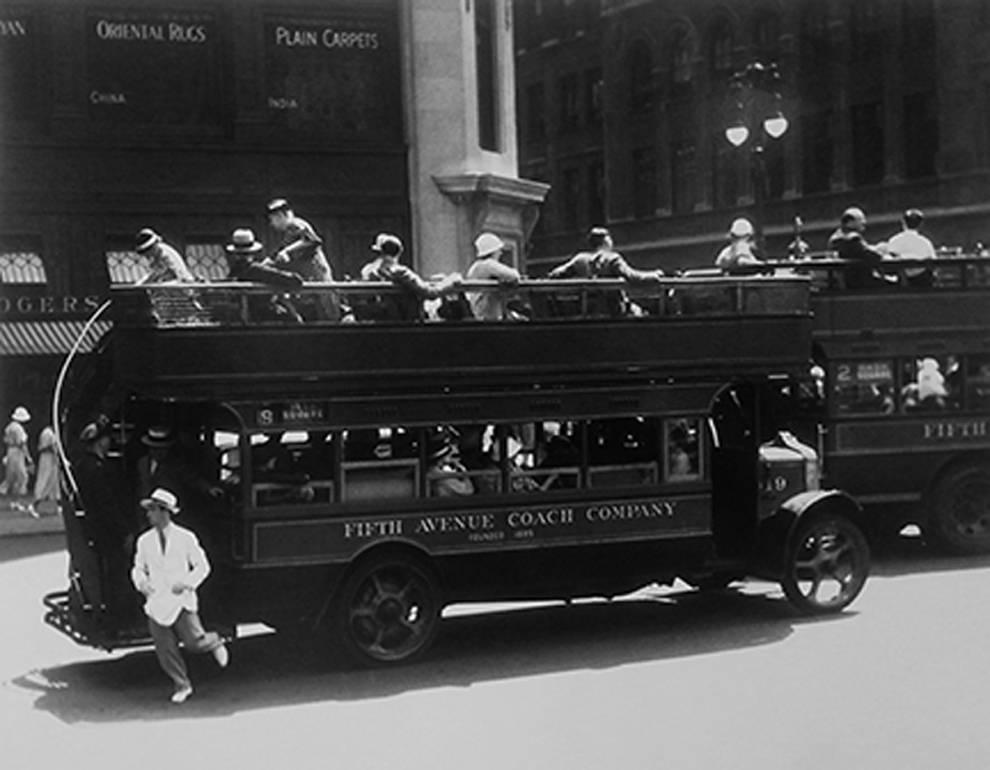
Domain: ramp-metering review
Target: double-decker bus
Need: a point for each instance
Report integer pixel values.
(906, 395)
(375, 471)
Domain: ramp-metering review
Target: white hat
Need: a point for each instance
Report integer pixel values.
(741, 228)
(242, 242)
(21, 414)
(145, 239)
(162, 497)
(488, 243)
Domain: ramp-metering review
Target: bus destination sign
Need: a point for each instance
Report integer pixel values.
(293, 413)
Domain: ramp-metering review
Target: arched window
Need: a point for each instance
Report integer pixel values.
(766, 37)
(640, 77)
(680, 58)
(720, 48)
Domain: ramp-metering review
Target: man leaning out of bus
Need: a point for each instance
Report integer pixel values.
(169, 565)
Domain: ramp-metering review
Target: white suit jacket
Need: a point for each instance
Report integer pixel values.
(182, 561)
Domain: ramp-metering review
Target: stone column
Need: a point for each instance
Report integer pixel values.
(457, 188)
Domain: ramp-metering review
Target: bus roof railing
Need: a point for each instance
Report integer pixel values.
(239, 304)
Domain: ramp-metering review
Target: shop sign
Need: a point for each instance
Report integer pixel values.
(24, 307)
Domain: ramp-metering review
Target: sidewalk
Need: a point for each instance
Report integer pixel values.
(19, 522)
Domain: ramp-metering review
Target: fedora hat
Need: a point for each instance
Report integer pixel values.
(20, 414)
(145, 239)
(163, 498)
(488, 243)
(278, 204)
(157, 436)
(242, 241)
(386, 243)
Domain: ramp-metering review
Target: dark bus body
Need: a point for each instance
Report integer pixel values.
(601, 454)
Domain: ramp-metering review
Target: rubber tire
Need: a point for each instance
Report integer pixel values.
(967, 485)
(854, 554)
(387, 610)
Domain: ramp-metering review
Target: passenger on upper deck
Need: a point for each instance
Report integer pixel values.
(490, 306)
(603, 261)
(739, 251)
(912, 244)
(300, 249)
(386, 267)
(848, 242)
(166, 263)
(241, 252)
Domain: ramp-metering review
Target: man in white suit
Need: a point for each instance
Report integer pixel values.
(169, 565)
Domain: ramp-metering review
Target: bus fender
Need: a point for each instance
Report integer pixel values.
(405, 549)
(776, 530)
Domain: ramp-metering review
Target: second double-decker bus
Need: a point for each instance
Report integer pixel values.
(373, 472)
(900, 397)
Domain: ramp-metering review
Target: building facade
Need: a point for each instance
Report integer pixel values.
(624, 104)
(187, 117)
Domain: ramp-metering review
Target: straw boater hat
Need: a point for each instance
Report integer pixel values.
(161, 497)
(20, 414)
(386, 243)
(242, 241)
(488, 243)
(146, 238)
(157, 436)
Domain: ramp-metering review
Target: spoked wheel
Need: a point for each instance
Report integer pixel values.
(960, 515)
(826, 565)
(388, 610)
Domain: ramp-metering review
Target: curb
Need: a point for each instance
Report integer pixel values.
(15, 522)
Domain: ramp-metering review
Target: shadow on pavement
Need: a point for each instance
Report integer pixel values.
(269, 671)
(14, 547)
(895, 556)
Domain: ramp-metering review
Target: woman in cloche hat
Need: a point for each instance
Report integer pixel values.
(17, 459)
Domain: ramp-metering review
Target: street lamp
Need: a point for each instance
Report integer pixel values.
(756, 114)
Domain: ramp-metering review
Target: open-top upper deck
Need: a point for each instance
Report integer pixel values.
(951, 315)
(211, 339)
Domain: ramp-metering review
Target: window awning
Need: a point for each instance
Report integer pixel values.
(44, 338)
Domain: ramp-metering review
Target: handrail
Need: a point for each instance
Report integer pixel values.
(57, 394)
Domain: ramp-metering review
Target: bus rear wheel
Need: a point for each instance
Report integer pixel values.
(388, 610)
(960, 514)
(826, 565)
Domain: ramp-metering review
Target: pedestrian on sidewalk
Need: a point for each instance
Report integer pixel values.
(46, 482)
(17, 458)
(169, 565)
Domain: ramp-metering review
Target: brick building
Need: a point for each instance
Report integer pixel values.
(623, 107)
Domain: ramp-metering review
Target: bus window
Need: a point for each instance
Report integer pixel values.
(477, 454)
(978, 382)
(682, 449)
(864, 387)
(931, 384)
(380, 464)
(623, 452)
(291, 468)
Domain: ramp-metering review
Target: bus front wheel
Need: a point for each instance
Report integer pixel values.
(826, 564)
(388, 610)
(959, 519)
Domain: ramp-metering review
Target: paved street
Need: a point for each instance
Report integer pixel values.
(662, 680)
